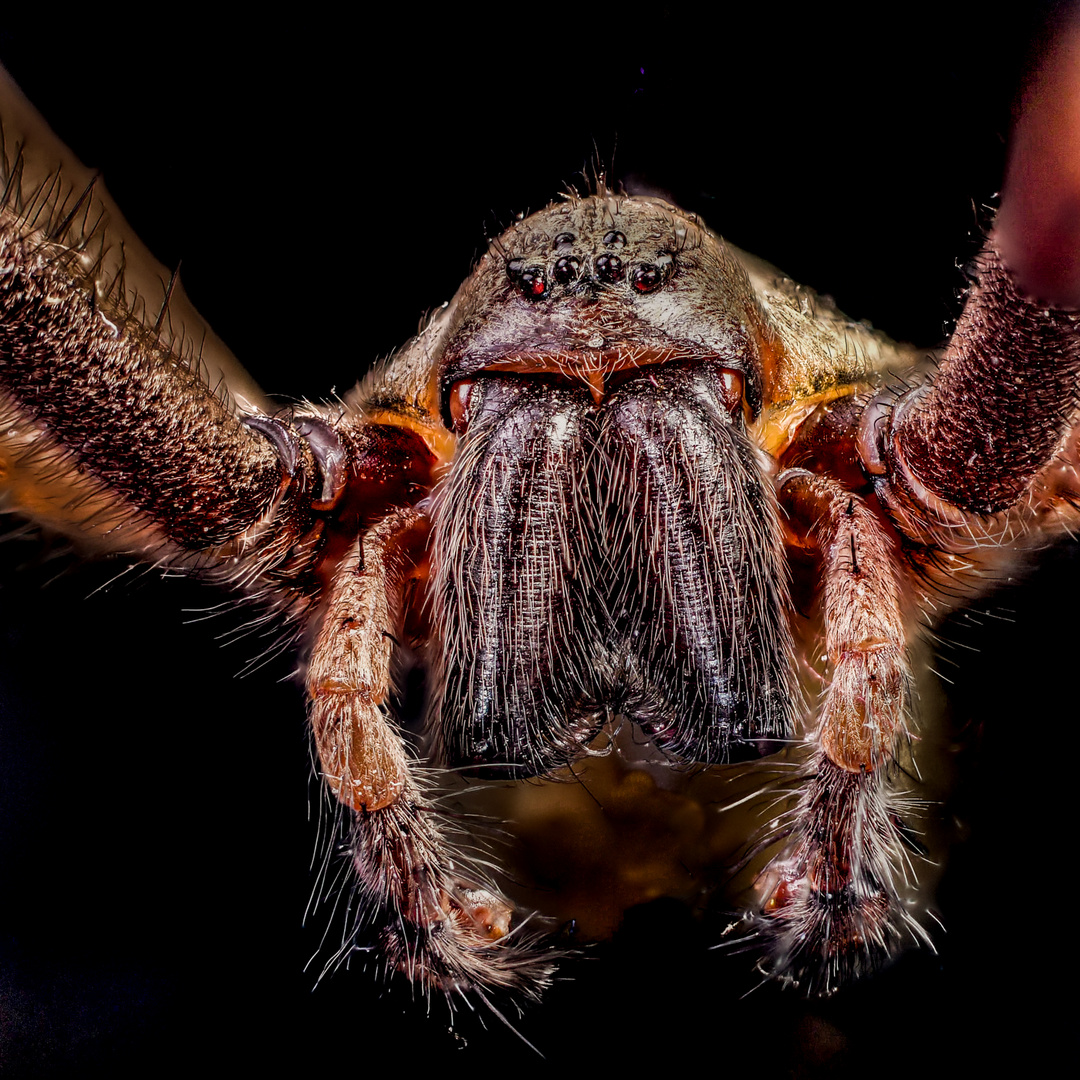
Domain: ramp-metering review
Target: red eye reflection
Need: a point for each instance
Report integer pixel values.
(647, 278)
(530, 281)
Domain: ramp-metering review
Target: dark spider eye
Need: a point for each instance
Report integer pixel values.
(567, 269)
(564, 238)
(609, 268)
(615, 239)
(530, 281)
(460, 393)
(647, 278)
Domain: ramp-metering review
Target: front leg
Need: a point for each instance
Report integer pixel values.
(438, 921)
(115, 429)
(833, 896)
(975, 439)
(1010, 372)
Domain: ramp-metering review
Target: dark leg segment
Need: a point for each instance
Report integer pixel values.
(976, 436)
(117, 403)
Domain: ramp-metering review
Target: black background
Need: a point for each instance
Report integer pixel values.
(324, 185)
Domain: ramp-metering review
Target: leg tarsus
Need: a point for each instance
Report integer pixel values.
(443, 929)
(833, 907)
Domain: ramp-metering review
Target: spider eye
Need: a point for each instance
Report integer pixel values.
(609, 268)
(731, 389)
(530, 281)
(532, 284)
(460, 394)
(567, 269)
(647, 278)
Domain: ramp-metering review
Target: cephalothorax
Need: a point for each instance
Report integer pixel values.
(632, 498)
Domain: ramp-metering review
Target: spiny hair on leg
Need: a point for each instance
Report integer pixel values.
(422, 906)
(836, 904)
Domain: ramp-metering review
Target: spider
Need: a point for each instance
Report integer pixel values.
(712, 219)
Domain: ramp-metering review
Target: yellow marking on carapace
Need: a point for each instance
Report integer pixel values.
(775, 429)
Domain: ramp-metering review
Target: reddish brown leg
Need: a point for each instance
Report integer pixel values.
(973, 440)
(438, 921)
(1010, 372)
(832, 895)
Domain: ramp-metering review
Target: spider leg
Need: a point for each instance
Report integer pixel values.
(121, 417)
(348, 678)
(1011, 367)
(833, 894)
(1011, 371)
(440, 923)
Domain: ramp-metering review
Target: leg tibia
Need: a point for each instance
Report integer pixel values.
(348, 677)
(864, 628)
